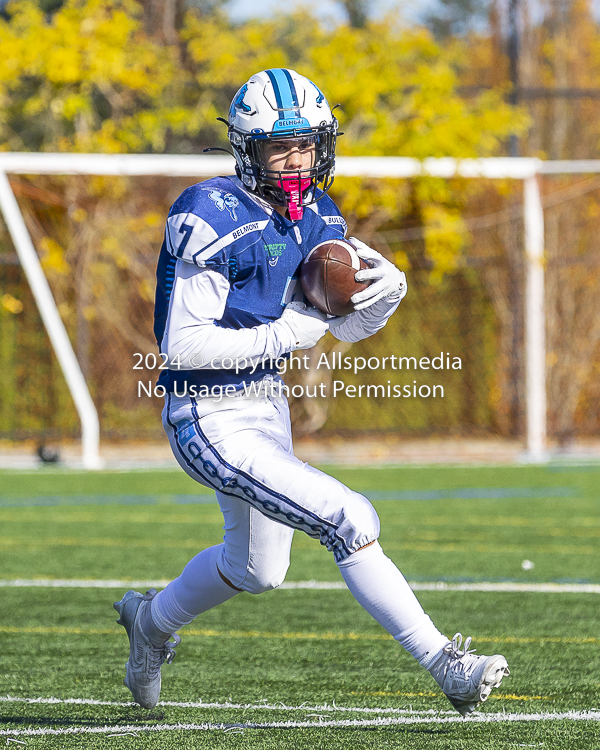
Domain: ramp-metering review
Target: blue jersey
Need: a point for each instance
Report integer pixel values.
(218, 225)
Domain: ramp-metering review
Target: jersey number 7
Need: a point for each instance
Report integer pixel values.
(187, 230)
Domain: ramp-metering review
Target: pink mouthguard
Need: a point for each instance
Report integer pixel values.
(294, 187)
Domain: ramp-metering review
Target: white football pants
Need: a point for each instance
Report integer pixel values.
(241, 447)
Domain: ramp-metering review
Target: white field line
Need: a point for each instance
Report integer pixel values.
(243, 706)
(477, 718)
(495, 586)
(402, 716)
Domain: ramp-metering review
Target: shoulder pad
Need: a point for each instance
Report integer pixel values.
(208, 217)
(326, 209)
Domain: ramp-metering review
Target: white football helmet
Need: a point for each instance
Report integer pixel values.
(281, 104)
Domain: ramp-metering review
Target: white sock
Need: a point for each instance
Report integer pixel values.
(379, 587)
(198, 589)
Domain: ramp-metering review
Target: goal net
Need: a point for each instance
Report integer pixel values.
(505, 345)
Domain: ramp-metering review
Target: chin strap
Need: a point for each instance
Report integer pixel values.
(294, 187)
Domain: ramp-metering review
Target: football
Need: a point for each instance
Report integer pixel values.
(327, 276)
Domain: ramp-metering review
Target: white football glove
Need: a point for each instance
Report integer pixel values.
(386, 280)
(307, 324)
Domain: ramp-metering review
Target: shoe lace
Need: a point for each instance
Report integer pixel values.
(457, 654)
(158, 656)
(169, 648)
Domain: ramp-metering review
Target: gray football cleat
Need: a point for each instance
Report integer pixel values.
(465, 678)
(145, 659)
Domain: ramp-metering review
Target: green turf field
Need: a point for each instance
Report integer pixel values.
(301, 668)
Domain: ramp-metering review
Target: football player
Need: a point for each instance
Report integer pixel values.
(226, 310)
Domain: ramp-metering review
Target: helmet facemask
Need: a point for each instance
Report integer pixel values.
(292, 189)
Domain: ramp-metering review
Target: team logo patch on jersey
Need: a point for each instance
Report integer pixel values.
(274, 251)
(224, 201)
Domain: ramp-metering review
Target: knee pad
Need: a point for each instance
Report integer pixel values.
(359, 524)
(266, 576)
(259, 582)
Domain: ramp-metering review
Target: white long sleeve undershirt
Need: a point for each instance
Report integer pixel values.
(364, 323)
(191, 336)
(198, 300)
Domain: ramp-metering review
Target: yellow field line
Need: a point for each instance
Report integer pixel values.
(58, 630)
(207, 633)
(543, 639)
(400, 694)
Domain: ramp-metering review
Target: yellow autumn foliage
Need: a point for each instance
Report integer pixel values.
(53, 258)
(85, 80)
(11, 304)
(90, 78)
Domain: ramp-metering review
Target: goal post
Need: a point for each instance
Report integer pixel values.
(524, 169)
(88, 415)
(535, 328)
